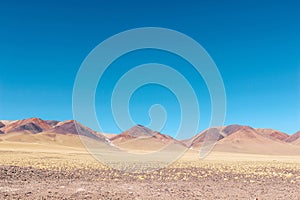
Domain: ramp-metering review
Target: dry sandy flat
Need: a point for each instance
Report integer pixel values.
(41, 171)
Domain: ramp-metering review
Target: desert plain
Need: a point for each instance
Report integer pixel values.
(55, 165)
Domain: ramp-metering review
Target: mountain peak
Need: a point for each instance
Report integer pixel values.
(138, 131)
(139, 134)
(228, 130)
(33, 125)
(74, 127)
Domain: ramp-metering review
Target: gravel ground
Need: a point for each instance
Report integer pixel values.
(170, 183)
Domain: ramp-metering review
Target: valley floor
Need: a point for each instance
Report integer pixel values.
(74, 174)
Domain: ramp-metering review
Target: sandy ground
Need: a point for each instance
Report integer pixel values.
(74, 174)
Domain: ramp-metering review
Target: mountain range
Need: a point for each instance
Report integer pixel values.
(233, 138)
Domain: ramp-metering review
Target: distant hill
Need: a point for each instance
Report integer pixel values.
(23, 130)
(245, 139)
(140, 136)
(75, 128)
(31, 125)
(232, 138)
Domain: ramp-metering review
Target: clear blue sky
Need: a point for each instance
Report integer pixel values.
(255, 44)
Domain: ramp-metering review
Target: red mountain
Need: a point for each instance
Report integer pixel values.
(31, 125)
(36, 125)
(295, 138)
(140, 137)
(75, 128)
(52, 123)
(272, 134)
(215, 133)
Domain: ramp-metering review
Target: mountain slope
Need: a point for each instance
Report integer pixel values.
(142, 138)
(232, 138)
(294, 138)
(31, 125)
(272, 134)
(52, 123)
(71, 127)
(198, 139)
(248, 140)
(1, 124)
(209, 134)
(36, 131)
(245, 139)
(296, 142)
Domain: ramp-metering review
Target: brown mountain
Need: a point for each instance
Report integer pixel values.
(52, 123)
(72, 127)
(245, 139)
(140, 131)
(210, 134)
(198, 139)
(140, 137)
(232, 138)
(46, 130)
(229, 130)
(272, 134)
(51, 133)
(245, 134)
(31, 125)
(295, 138)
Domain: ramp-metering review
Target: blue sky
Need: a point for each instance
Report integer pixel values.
(255, 44)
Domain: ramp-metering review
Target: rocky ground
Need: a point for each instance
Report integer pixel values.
(246, 180)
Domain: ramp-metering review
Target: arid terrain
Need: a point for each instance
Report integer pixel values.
(46, 160)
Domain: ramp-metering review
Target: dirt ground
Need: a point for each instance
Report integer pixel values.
(45, 175)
